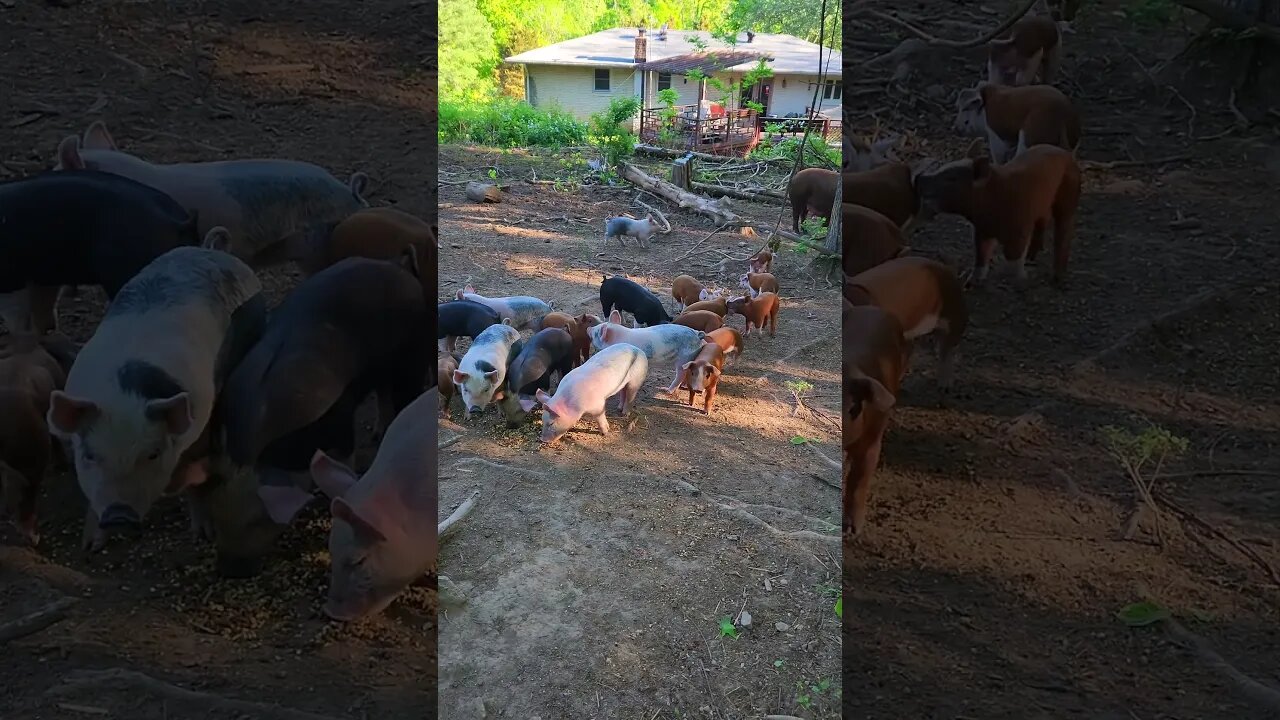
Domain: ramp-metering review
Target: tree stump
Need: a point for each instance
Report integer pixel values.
(483, 192)
(682, 173)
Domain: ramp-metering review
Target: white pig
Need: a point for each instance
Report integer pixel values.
(142, 389)
(274, 210)
(521, 310)
(384, 523)
(618, 370)
(621, 227)
(483, 369)
(665, 343)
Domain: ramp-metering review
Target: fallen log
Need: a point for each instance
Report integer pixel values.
(683, 198)
(36, 621)
(669, 153)
(722, 191)
(483, 192)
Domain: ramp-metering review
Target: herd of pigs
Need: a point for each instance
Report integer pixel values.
(594, 360)
(191, 385)
(1031, 182)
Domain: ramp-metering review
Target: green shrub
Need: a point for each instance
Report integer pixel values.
(504, 122)
(607, 133)
(786, 148)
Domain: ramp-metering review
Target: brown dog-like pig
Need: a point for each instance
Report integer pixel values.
(761, 261)
(923, 295)
(1013, 119)
(1033, 47)
(702, 374)
(812, 191)
(873, 363)
(861, 155)
(1010, 205)
(446, 363)
(28, 376)
(868, 239)
(685, 289)
(729, 340)
(718, 306)
(758, 282)
(380, 233)
(759, 311)
(569, 324)
(581, 338)
(887, 190)
(703, 320)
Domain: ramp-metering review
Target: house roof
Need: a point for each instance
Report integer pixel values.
(706, 62)
(616, 48)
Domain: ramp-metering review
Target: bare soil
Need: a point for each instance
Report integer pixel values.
(989, 581)
(349, 86)
(590, 581)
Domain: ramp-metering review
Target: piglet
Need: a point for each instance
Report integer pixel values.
(868, 239)
(630, 296)
(758, 282)
(862, 155)
(521, 310)
(812, 190)
(729, 340)
(887, 189)
(703, 320)
(549, 351)
(717, 305)
(620, 227)
(462, 318)
(383, 536)
(381, 233)
(686, 290)
(617, 370)
(483, 370)
(759, 311)
(667, 343)
(702, 374)
(1031, 49)
(1013, 119)
(761, 262)
(446, 364)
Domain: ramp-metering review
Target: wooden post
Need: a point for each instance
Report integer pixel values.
(697, 124)
(834, 244)
(682, 172)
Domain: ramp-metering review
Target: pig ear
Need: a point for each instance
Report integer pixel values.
(97, 137)
(218, 238)
(69, 153)
(283, 503)
(527, 404)
(880, 397)
(174, 412)
(615, 317)
(409, 260)
(363, 526)
(714, 370)
(491, 375)
(67, 414)
(459, 295)
(460, 377)
(359, 181)
(470, 288)
(332, 477)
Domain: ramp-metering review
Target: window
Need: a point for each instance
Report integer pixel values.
(602, 80)
(664, 81)
(832, 90)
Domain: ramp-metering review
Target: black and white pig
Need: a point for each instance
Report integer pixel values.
(142, 390)
(274, 210)
(352, 329)
(79, 228)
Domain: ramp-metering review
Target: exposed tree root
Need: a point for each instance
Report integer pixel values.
(463, 510)
(1263, 696)
(36, 621)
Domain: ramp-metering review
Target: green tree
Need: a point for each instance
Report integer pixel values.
(802, 18)
(468, 56)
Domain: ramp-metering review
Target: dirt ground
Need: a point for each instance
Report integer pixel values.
(591, 578)
(989, 581)
(344, 85)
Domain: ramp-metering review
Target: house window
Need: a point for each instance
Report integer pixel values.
(664, 81)
(832, 90)
(602, 80)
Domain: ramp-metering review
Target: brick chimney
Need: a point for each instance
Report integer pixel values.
(642, 47)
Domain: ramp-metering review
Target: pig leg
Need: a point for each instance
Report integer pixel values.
(1015, 252)
(984, 248)
(675, 381)
(708, 394)
(603, 422)
(1049, 67)
(1029, 68)
(44, 308)
(94, 537)
(629, 394)
(27, 480)
(15, 310)
(1037, 242)
(773, 322)
(863, 469)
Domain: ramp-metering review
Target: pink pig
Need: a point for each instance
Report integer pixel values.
(618, 370)
(384, 523)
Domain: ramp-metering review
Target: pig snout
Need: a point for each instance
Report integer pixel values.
(118, 516)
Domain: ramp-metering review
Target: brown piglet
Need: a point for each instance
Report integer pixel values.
(1031, 48)
(569, 324)
(758, 282)
(761, 261)
(702, 374)
(868, 239)
(1010, 205)
(719, 306)
(729, 340)
(685, 289)
(759, 311)
(703, 320)
(581, 337)
(873, 363)
(446, 363)
(1013, 119)
(887, 190)
(380, 233)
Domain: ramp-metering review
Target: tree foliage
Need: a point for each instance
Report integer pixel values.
(466, 67)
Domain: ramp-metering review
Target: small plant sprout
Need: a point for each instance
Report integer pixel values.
(1142, 613)
(727, 628)
(798, 390)
(1142, 456)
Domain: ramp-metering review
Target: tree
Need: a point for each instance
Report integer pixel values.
(802, 18)
(466, 68)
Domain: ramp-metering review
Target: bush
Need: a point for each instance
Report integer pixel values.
(504, 122)
(607, 133)
(770, 149)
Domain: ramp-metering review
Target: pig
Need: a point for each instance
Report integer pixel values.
(577, 329)
(873, 362)
(483, 368)
(758, 282)
(729, 340)
(617, 370)
(703, 320)
(629, 296)
(702, 374)
(868, 239)
(270, 208)
(1032, 49)
(446, 364)
(521, 310)
(79, 228)
(924, 296)
(1010, 205)
(620, 227)
(462, 318)
(719, 306)
(351, 330)
(669, 343)
(811, 191)
(1013, 119)
(758, 311)
(865, 155)
(29, 374)
(887, 190)
(142, 390)
(381, 233)
(383, 536)
(686, 290)
(759, 263)
(549, 351)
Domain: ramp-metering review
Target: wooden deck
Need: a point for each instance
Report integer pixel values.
(734, 132)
